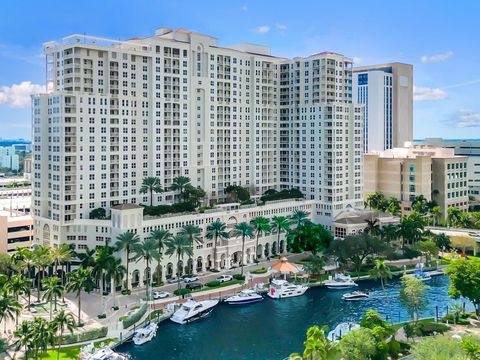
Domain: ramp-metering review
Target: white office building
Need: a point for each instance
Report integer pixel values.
(387, 93)
(175, 103)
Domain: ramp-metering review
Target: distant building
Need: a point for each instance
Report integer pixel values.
(418, 170)
(387, 92)
(469, 148)
(16, 230)
(27, 168)
(8, 158)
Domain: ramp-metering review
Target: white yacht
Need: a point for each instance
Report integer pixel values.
(106, 354)
(355, 296)
(193, 310)
(280, 289)
(341, 330)
(145, 334)
(246, 296)
(340, 281)
(422, 276)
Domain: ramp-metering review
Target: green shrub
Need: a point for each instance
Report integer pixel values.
(213, 283)
(182, 292)
(273, 194)
(126, 292)
(154, 314)
(426, 329)
(102, 316)
(168, 209)
(88, 335)
(394, 348)
(136, 316)
(239, 277)
(115, 308)
(259, 271)
(411, 253)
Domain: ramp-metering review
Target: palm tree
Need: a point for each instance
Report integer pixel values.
(22, 260)
(300, 218)
(53, 290)
(23, 338)
(194, 235)
(179, 183)
(161, 237)
(216, 230)
(279, 224)
(382, 271)
(116, 272)
(9, 308)
(63, 321)
(179, 245)
(436, 212)
(150, 185)
(389, 232)
(127, 241)
(148, 251)
(104, 260)
(454, 216)
(262, 227)
(42, 335)
(373, 227)
(80, 279)
(245, 230)
(41, 259)
(61, 256)
(19, 285)
(87, 258)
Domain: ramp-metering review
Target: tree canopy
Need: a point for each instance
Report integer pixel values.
(309, 237)
(465, 280)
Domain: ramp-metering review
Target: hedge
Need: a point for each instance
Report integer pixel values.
(182, 292)
(88, 335)
(133, 318)
(259, 271)
(213, 283)
(239, 277)
(168, 209)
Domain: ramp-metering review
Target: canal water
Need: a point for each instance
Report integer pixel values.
(272, 329)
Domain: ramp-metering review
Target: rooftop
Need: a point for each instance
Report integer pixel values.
(126, 207)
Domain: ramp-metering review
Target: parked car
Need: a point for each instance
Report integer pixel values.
(189, 278)
(160, 294)
(224, 278)
(173, 280)
(194, 286)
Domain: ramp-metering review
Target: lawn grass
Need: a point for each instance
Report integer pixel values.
(227, 283)
(70, 352)
(421, 321)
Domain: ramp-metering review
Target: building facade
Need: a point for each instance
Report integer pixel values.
(387, 92)
(468, 148)
(9, 158)
(435, 173)
(16, 230)
(176, 103)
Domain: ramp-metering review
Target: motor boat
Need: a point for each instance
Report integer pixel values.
(145, 334)
(106, 353)
(341, 330)
(280, 289)
(422, 276)
(193, 310)
(355, 296)
(340, 281)
(246, 296)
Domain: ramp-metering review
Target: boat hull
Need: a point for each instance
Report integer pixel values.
(192, 318)
(244, 301)
(279, 295)
(340, 287)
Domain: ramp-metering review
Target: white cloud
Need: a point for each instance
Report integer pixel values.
(428, 94)
(281, 27)
(18, 95)
(262, 29)
(357, 60)
(466, 118)
(436, 57)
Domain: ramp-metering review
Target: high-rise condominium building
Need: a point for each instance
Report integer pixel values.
(387, 92)
(9, 158)
(175, 103)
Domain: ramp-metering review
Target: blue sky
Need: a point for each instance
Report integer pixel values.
(440, 38)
